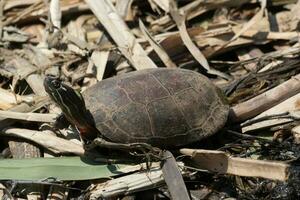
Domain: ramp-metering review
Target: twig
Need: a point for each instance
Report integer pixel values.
(194, 9)
(55, 13)
(264, 101)
(24, 107)
(220, 162)
(179, 18)
(100, 58)
(34, 117)
(157, 47)
(249, 24)
(140, 181)
(282, 113)
(121, 34)
(46, 139)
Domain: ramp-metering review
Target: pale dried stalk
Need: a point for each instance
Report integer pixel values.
(288, 52)
(246, 54)
(17, 3)
(27, 11)
(163, 4)
(288, 107)
(194, 9)
(123, 8)
(36, 83)
(2, 191)
(100, 59)
(140, 181)
(58, 193)
(89, 81)
(296, 134)
(55, 13)
(255, 19)
(2, 3)
(10, 98)
(24, 107)
(220, 162)
(5, 192)
(121, 34)
(45, 139)
(262, 102)
(34, 117)
(272, 35)
(179, 18)
(36, 9)
(210, 42)
(27, 70)
(157, 47)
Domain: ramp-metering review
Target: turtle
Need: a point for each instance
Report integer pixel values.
(165, 108)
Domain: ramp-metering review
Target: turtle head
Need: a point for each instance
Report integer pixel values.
(72, 105)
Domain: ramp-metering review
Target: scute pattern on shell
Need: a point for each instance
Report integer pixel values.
(162, 107)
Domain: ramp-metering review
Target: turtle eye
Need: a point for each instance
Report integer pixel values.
(56, 84)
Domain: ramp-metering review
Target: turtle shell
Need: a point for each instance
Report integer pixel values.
(162, 107)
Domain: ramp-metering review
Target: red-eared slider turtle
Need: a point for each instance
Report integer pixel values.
(161, 107)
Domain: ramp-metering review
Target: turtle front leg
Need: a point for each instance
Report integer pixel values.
(144, 147)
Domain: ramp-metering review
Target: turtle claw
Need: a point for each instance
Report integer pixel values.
(95, 143)
(145, 148)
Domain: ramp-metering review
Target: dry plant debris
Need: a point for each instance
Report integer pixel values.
(249, 49)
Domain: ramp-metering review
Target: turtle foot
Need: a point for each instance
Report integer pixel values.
(137, 149)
